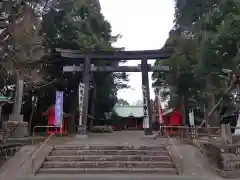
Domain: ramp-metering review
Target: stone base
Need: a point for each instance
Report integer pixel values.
(16, 118)
(82, 130)
(148, 132)
(149, 136)
(101, 129)
(15, 129)
(82, 136)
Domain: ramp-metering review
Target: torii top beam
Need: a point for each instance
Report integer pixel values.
(117, 55)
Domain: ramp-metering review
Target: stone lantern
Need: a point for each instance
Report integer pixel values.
(3, 100)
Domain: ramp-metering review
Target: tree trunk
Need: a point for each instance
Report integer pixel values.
(16, 119)
(212, 118)
(34, 108)
(226, 133)
(230, 87)
(18, 95)
(72, 121)
(94, 95)
(93, 101)
(183, 110)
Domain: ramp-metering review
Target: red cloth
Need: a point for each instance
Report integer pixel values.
(51, 116)
(175, 118)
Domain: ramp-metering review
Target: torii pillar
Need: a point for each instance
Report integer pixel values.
(82, 127)
(147, 121)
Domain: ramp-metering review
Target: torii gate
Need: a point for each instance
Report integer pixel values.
(144, 56)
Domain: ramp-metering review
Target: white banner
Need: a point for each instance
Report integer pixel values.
(191, 118)
(80, 101)
(237, 131)
(59, 108)
(145, 109)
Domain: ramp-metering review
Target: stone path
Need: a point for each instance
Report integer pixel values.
(117, 138)
(10, 169)
(194, 163)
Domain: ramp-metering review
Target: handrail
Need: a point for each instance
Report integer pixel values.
(34, 128)
(180, 166)
(209, 127)
(183, 131)
(37, 151)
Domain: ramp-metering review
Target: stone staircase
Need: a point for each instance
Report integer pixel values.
(72, 159)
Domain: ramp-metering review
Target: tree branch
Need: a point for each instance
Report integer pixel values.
(221, 99)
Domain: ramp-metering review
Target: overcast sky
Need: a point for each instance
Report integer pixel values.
(144, 24)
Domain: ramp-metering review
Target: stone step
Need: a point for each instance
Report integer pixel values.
(107, 171)
(113, 176)
(107, 147)
(109, 152)
(109, 158)
(107, 164)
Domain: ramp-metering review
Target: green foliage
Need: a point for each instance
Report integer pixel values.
(21, 50)
(68, 24)
(79, 25)
(206, 43)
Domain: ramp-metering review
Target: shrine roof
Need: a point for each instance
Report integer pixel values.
(4, 99)
(127, 111)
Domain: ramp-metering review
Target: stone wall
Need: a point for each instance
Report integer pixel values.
(15, 129)
(225, 158)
